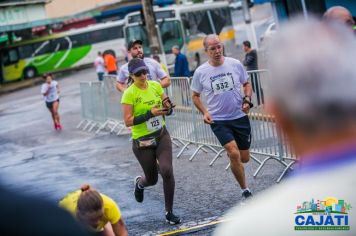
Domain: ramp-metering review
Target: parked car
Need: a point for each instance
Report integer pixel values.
(270, 31)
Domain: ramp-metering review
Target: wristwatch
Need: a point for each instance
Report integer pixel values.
(247, 100)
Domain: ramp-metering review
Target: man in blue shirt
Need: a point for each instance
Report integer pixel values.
(181, 67)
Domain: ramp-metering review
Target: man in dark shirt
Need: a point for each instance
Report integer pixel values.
(251, 64)
(181, 67)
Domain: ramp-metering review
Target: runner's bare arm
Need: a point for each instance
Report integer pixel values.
(130, 120)
(247, 89)
(121, 86)
(198, 104)
(128, 114)
(165, 82)
(119, 228)
(248, 93)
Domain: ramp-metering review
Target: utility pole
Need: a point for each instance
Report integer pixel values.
(151, 26)
(250, 29)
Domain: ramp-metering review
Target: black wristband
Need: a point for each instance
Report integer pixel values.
(169, 112)
(142, 118)
(247, 101)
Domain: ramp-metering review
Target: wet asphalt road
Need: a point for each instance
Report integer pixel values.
(38, 160)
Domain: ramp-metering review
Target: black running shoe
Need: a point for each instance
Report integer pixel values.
(172, 219)
(138, 191)
(246, 194)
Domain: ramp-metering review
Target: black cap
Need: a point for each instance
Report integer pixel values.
(133, 42)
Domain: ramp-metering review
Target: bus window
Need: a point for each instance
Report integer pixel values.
(218, 20)
(11, 57)
(171, 35)
(194, 19)
(138, 32)
(42, 48)
(226, 14)
(80, 40)
(114, 33)
(60, 44)
(25, 51)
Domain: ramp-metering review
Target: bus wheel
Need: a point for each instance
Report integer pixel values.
(197, 60)
(30, 72)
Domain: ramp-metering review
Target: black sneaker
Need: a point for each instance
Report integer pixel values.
(247, 194)
(138, 191)
(172, 219)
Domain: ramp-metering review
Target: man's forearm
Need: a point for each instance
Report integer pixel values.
(165, 82)
(121, 87)
(247, 89)
(198, 104)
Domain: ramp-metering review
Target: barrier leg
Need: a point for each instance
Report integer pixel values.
(92, 127)
(80, 123)
(87, 125)
(285, 171)
(262, 164)
(114, 127)
(228, 166)
(102, 127)
(175, 143)
(183, 148)
(196, 152)
(216, 157)
(120, 130)
(255, 159)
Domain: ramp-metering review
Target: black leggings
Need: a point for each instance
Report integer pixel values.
(148, 159)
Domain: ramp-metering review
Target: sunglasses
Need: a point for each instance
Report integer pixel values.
(140, 72)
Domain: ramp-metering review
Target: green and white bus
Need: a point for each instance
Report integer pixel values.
(61, 51)
(186, 25)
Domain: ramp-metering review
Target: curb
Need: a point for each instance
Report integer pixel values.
(14, 86)
(21, 84)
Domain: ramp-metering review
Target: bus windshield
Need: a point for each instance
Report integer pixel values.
(171, 34)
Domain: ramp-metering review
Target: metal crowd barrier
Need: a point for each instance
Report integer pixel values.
(101, 109)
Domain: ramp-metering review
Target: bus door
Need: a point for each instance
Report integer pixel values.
(11, 65)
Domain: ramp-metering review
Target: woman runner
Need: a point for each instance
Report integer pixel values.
(144, 105)
(50, 92)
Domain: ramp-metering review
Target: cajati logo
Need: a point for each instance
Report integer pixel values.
(327, 214)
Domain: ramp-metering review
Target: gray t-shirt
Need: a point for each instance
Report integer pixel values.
(221, 85)
(155, 73)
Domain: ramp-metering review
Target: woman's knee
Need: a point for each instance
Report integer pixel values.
(151, 180)
(166, 172)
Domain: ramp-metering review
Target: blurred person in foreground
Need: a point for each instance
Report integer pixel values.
(23, 215)
(340, 14)
(313, 99)
(98, 212)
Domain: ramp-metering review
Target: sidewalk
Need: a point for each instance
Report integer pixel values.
(17, 85)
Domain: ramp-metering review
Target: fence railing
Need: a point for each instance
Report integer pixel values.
(101, 111)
